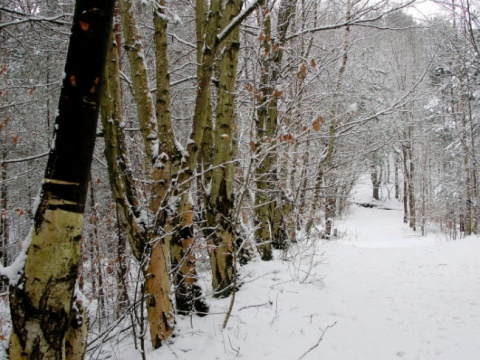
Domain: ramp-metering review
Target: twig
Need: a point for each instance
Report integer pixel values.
(26, 158)
(318, 342)
(253, 306)
(236, 350)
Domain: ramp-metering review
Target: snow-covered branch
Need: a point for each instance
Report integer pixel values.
(236, 21)
(353, 22)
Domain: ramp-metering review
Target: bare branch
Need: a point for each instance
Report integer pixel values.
(236, 21)
(32, 18)
(28, 158)
(319, 340)
(353, 22)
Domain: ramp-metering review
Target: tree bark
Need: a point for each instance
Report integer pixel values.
(376, 177)
(221, 202)
(141, 89)
(183, 239)
(142, 236)
(268, 212)
(327, 156)
(41, 302)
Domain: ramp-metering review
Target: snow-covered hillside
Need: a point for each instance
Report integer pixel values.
(379, 292)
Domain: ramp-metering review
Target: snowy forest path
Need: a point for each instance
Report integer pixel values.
(395, 294)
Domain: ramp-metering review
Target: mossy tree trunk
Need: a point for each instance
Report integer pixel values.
(183, 238)
(138, 71)
(41, 302)
(220, 201)
(148, 247)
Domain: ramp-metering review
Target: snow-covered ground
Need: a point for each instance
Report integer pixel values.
(379, 292)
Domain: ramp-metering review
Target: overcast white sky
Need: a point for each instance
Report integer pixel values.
(426, 8)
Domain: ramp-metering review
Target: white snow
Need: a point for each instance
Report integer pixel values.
(383, 292)
(14, 272)
(163, 156)
(155, 149)
(353, 108)
(177, 20)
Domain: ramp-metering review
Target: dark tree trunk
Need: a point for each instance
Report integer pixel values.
(41, 301)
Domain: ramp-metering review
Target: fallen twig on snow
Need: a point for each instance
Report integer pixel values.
(269, 303)
(318, 342)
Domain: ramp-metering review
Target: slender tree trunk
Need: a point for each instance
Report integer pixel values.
(123, 299)
(376, 177)
(183, 239)
(396, 177)
(411, 186)
(221, 202)
(41, 301)
(4, 221)
(268, 209)
(146, 245)
(138, 70)
(96, 259)
(327, 156)
(113, 67)
(405, 184)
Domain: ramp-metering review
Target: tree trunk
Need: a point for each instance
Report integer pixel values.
(3, 200)
(376, 177)
(412, 219)
(145, 243)
(268, 213)
(221, 202)
(41, 301)
(138, 70)
(327, 155)
(405, 185)
(4, 228)
(183, 258)
(396, 178)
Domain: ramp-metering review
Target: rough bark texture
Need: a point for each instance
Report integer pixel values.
(268, 211)
(143, 238)
(141, 89)
(182, 242)
(77, 333)
(221, 203)
(116, 154)
(42, 300)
